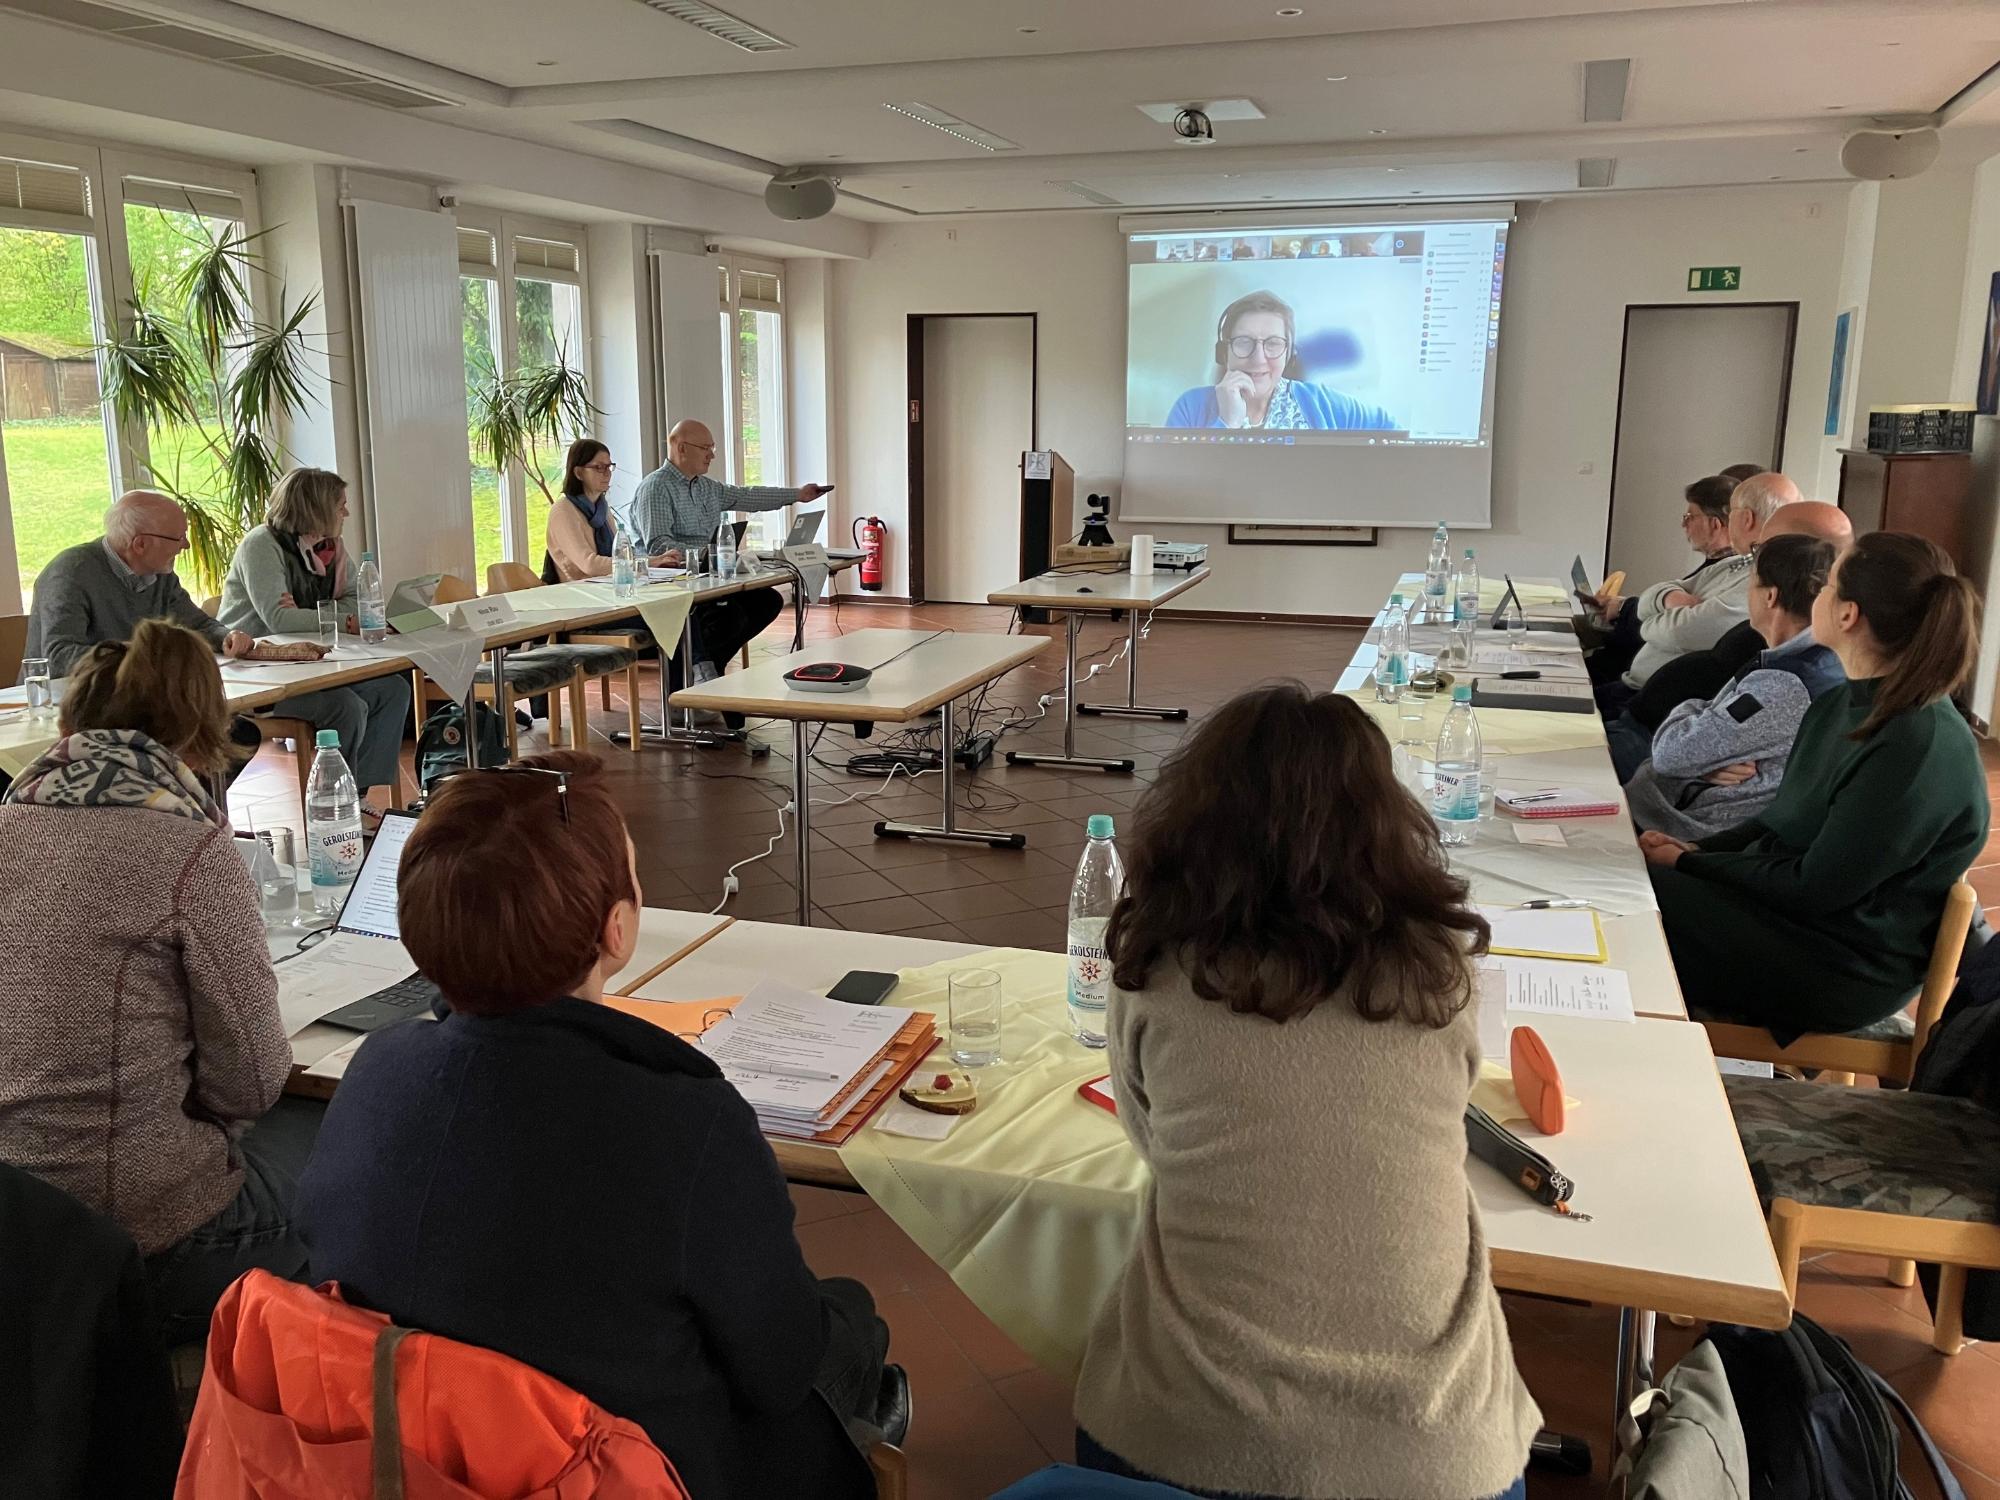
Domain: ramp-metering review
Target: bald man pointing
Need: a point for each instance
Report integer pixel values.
(678, 506)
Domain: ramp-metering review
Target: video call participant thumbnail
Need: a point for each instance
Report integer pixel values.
(1259, 381)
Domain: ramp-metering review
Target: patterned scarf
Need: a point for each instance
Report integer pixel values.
(1285, 411)
(598, 513)
(326, 557)
(115, 768)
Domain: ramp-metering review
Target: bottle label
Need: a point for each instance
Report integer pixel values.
(336, 854)
(1466, 609)
(372, 617)
(1455, 795)
(1395, 670)
(1089, 966)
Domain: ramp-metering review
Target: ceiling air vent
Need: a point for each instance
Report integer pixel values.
(720, 24)
(1088, 194)
(951, 125)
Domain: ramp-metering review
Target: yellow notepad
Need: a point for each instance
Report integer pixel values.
(1571, 934)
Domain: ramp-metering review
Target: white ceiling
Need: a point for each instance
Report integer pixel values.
(1363, 99)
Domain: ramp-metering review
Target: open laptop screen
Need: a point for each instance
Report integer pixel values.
(371, 903)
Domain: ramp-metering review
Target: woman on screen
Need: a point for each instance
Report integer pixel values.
(1260, 383)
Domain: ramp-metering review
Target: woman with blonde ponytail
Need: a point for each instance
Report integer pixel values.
(139, 1026)
(1819, 914)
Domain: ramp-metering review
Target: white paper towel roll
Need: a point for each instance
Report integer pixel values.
(1142, 554)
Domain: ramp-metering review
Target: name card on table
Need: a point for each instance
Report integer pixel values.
(483, 615)
(811, 561)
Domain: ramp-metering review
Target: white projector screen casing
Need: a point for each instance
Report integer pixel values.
(1388, 420)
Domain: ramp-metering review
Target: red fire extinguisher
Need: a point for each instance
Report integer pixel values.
(871, 536)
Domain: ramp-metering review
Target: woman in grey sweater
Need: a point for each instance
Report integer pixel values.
(1307, 1311)
(282, 572)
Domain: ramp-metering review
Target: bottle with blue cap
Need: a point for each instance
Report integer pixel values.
(333, 825)
(1100, 878)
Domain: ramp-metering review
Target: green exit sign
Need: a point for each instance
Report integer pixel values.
(1715, 278)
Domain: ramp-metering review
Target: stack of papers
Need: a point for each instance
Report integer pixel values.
(1561, 933)
(812, 1068)
(1556, 802)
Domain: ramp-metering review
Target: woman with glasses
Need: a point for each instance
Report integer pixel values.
(581, 532)
(580, 1189)
(1259, 381)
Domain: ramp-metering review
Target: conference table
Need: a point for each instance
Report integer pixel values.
(556, 609)
(911, 673)
(1079, 590)
(1032, 1200)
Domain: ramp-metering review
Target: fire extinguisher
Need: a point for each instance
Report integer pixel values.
(871, 536)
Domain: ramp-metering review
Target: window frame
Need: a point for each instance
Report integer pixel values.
(518, 541)
(106, 168)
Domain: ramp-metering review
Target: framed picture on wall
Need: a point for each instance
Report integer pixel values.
(1989, 353)
(1836, 385)
(1301, 536)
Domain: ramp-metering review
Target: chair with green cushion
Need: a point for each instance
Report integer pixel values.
(602, 655)
(1876, 1172)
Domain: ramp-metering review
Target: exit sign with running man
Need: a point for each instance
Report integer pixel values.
(1715, 278)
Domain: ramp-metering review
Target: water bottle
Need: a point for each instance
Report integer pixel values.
(725, 549)
(1457, 771)
(1465, 610)
(1437, 575)
(333, 825)
(371, 613)
(1100, 876)
(1392, 660)
(624, 567)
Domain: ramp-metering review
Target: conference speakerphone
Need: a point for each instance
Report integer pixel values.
(829, 677)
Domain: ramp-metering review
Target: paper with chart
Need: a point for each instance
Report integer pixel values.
(343, 968)
(1549, 987)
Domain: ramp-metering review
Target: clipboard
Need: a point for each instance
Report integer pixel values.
(1525, 949)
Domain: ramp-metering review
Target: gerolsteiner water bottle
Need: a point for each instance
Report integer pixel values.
(1100, 877)
(1456, 773)
(333, 825)
(371, 614)
(624, 567)
(1392, 658)
(725, 549)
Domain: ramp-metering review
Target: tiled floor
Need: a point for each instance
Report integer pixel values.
(984, 1413)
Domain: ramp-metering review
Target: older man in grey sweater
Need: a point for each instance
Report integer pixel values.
(101, 590)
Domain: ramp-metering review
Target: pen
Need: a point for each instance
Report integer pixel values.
(1542, 796)
(1564, 904)
(1518, 676)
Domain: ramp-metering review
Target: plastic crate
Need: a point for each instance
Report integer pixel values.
(1934, 429)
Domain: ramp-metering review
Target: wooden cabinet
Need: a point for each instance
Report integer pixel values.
(1925, 494)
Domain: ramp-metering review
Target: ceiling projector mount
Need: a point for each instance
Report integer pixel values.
(1192, 127)
(802, 193)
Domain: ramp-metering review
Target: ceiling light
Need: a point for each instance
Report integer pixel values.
(720, 24)
(1604, 84)
(1084, 191)
(1290, 11)
(1392, 169)
(1336, 78)
(951, 125)
(546, 63)
(1029, 30)
(1378, 132)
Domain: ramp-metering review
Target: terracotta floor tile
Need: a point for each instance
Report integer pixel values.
(983, 900)
(870, 1248)
(919, 1343)
(1016, 929)
(1046, 1406)
(1885, 1337)
(995, 1354)
(920, 880)
(811, 1204)
(1957, 1399)
(891, 914)
(965, 1444)
(844, 890)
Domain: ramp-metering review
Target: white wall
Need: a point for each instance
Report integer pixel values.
(306, 249)
(809, 393)
(1913, 304)
(621, 359)
(1574, 266)
(1857, 265)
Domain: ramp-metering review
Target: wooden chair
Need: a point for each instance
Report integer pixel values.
(1887, 1049)
(605, 655)
(891, 1470)
(13, 646)
(1876, 1172)
(296, 734)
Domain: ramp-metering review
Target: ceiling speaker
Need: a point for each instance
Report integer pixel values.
(802, 193)
(1878, 155)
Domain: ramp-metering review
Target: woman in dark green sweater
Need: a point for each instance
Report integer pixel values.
(1819, 915)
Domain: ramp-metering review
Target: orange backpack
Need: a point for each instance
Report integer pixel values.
(306, 1397)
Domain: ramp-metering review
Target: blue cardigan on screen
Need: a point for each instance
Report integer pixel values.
(1326, 410)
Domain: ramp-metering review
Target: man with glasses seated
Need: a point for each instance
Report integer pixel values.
(100, 591)
(678, 507)
(1260, 382)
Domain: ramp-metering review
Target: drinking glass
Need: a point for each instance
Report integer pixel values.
(35, 678)
(975, 1017)
(279, 889)
(329, 625)
(1515, 623)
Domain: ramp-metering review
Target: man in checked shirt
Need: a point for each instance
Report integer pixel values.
(678, 506)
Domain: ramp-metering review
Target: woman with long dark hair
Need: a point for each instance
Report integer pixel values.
(582, 531)
(1307, 1309)
(1819, 913)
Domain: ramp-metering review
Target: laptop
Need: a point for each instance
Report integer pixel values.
(369, 916)
(409, 608)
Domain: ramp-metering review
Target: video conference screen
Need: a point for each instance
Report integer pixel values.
(1342, 374)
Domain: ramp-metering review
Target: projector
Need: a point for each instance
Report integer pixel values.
(801, 193)
(1181, 557)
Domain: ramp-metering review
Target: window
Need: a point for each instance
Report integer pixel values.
(753, 361)
(56, 458)
(539, 281)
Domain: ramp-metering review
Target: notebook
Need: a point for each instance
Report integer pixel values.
(1557, 802)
